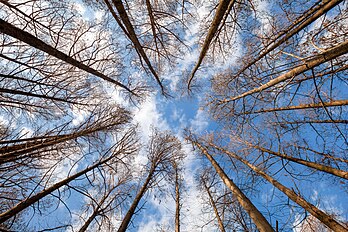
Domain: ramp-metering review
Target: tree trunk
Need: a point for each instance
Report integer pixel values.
(177, 201)
(32, 200)
(326, 56)
(31, 40)
(133, 37)
(224, 5)
(302, 22)
(320, 167)
(93, 216)
(259, 220)
(301, 107)
(11, 153)
(126, 220)
(220, 222)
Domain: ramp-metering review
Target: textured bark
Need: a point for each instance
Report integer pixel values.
(330, 54)
(23, 93)
(320, 167)
(31, 40)
(259, 220)
(338, 121)
(11, 153)
(223, 7)
(322, 216)
(95, 213)
(301, 107)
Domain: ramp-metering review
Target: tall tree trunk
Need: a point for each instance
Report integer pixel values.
(301, 107)
(95, 213)
(130, 32)
(29, 94)
(177, 201)
(326, 56)
(14, 152)
(31, 40)
(126, 220)
(224, 5)
(211, 199)
(259, 220)
(320, 167)
(323, 217)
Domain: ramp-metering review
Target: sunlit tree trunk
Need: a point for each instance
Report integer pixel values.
(326, 56)
(130, 213)
(259, 220)
(224, 6)
(320, 167)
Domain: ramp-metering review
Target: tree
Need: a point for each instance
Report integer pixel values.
(260, 221)
(163, 150)
(122, 147)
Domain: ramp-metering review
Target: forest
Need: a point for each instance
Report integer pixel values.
(174, 115)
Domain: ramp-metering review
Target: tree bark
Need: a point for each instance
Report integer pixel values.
(302, 22)
(177, 201)
(32, 200)
(130, 32)
(320, 167)
(301, 107)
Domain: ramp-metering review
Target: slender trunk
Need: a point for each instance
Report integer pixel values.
(10, 153)
(259, 220)
(326, 56)
(337, 121)
(32, 200)
(224, 5)
(95, 213)
(302, 22)
(31, 40)
(323, 217)
(130, 32)
(153, 24)
(302, 106)
(126, 220)
(320, 167)
(23, 93)
(220, 222)
(177, 201)
(326, 155)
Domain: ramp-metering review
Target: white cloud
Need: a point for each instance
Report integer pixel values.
(148, 116)
(26, 132)
(200, 121)
(79, 116)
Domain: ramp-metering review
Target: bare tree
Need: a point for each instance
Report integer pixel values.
(163, 150)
